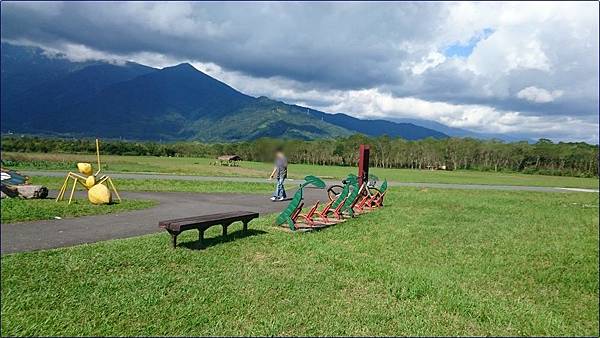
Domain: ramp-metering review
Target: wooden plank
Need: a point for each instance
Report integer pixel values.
(201, 223)
(209, 217)
(182, 224)
(214, 220)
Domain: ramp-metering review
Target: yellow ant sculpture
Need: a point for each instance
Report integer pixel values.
(98, 192)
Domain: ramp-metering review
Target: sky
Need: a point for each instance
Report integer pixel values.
(510, 68)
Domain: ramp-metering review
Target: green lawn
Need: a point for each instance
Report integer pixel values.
(175, 185)
(20, 210)
(432, 262)
(202, 166)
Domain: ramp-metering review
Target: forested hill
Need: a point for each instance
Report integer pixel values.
(53, 96)
(542, 157)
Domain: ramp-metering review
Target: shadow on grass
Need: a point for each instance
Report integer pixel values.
(208, 242)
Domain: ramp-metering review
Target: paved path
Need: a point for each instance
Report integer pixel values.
(47, 234)
(329, 182)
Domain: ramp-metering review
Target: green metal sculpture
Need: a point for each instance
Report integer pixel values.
(351, 180)
(289, 214)
(314, 180)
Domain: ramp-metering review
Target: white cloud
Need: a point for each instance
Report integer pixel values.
(372, 103)
(430, 61)
(375, 104)
(539, 95)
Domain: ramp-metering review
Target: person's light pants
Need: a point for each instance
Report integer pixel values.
(279, 188)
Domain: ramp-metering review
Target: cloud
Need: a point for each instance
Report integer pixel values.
(432, 60)
(373, 103)
(532, 61)
(539, 95)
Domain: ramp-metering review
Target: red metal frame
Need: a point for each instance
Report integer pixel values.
(296, 213)
(362, 204)
(336, 212)
(308, 217)
(379, 200)
(323, 213)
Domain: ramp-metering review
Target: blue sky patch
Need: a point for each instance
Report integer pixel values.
(464, 50)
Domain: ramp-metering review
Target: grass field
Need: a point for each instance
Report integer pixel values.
(176, 185)
(20, 210)
(202, 166)
(432, 262)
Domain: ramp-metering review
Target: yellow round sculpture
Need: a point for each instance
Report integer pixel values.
(99, 194)
(90, 181)
(85, 168)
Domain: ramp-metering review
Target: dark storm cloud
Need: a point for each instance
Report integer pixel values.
(339, 46)
(526, 63)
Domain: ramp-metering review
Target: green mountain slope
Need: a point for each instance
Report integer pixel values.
(133, 101)
(267, 118)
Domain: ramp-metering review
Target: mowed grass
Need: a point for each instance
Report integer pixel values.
(157, 185)
(203, 167)
(432, 262)
(20, 210)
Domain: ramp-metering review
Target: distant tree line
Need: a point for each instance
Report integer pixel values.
(542, 157)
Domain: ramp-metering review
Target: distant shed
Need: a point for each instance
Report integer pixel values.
(229, 160)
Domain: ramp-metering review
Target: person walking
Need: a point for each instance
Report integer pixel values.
(280, 172)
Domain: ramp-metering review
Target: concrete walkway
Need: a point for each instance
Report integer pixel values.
(329, 182)
(48, 234)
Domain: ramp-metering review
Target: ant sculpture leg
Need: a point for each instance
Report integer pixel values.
(114, 188)
(106, 178)
(73, 189)
(76, 179)
(61, 192)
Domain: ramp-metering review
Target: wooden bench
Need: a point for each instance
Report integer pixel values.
(201, 223)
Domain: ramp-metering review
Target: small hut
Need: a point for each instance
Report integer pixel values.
(229, 160)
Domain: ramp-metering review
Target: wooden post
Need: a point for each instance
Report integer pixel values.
(363, 164)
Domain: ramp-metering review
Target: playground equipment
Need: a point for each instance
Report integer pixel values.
(292, 212)
(94, 183)
(334, 207)
(356, 195)
(349, 202)
(371, 200)
(355, 191)
(377, 199)
(330, 214)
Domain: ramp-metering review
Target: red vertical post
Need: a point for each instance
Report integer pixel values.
(363, 164)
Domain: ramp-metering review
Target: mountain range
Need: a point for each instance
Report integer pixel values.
(50, 95)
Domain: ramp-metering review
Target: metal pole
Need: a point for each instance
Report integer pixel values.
(363, 164)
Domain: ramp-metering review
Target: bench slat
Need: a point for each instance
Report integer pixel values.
(176, 226)
(207, 220)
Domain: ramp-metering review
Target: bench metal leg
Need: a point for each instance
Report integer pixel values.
(200, 235)
(174, 238)
(225, 229)
(245, 228)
